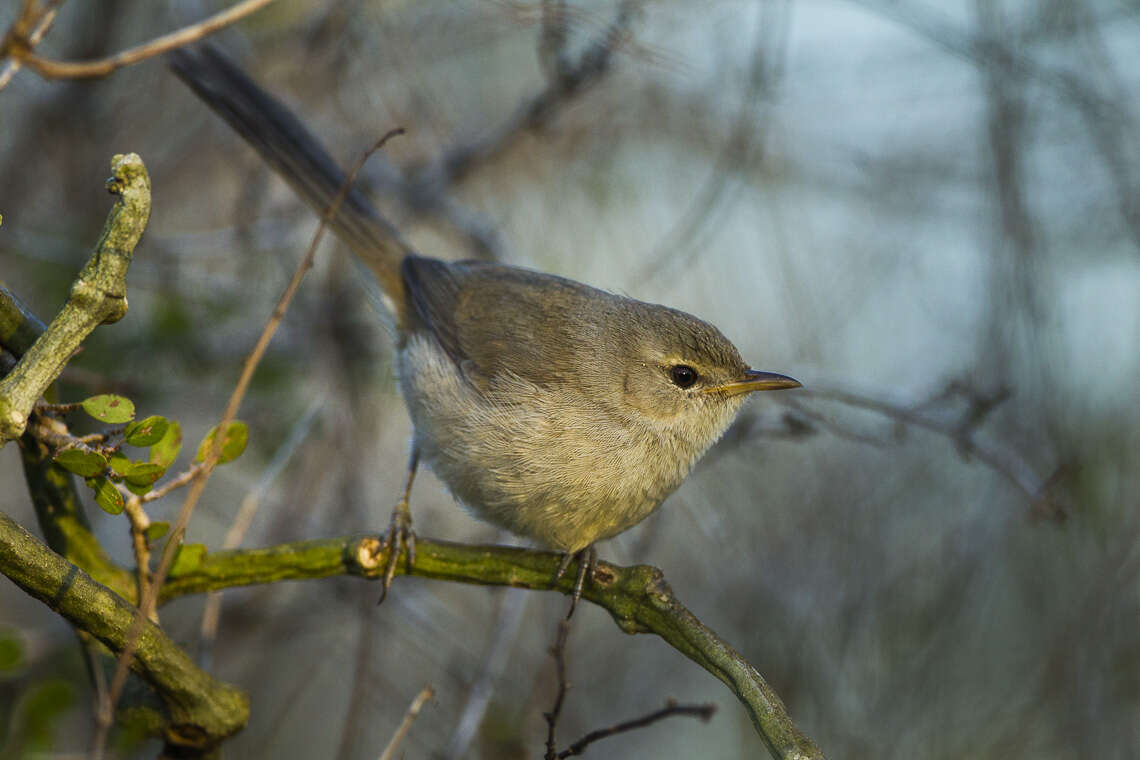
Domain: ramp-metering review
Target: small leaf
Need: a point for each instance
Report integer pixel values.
(108, 407)
(143, 473)
(82, 462)
(157, 530)
(187, 557)
(120, 465)
(106, 495)
(166, 451)
(146, 432)
(237, 435)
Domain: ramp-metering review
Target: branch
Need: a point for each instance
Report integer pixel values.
(202, 711)
(671, 708)
(52, 69)
(63, 521)
(97, 297)
(638, 598)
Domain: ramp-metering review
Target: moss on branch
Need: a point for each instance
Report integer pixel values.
(98, 296)
(202, 711)
(638, 598)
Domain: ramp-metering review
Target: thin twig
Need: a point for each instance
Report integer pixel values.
(409, 717)
(183, 479)
(140, 521)
(149, 603)
(40, 28)
(558, 652)
(1006, 464)
(671, 708)
(53, 69)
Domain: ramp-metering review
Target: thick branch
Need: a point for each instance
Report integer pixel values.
(638, 598)
(97, 297)
(63, 522)
(202, 711)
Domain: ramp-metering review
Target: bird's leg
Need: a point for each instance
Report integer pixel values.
(588, 563)
(400, 528)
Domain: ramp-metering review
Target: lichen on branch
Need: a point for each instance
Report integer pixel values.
(98, 296)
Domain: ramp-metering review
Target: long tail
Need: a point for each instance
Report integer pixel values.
(286, 145)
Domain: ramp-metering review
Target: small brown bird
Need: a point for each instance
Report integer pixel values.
(560, 412)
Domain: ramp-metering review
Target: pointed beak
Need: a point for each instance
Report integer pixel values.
(755, 380)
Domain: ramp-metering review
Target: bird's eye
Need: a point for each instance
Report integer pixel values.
(682, 375)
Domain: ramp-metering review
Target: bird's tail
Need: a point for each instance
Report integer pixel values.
(286, 145)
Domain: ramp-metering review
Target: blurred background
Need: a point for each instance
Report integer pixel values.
(927, 212)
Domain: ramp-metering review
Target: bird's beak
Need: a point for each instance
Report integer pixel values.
(755, 380)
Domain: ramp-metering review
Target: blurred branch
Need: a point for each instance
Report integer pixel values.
(638, 599)
(26, 32)
(680, 245)
(19, 327)
(202, 711)
(409, 717)
(960, 431)
(1108, 121)
(53, 69)
(98, 296)
(425, 190)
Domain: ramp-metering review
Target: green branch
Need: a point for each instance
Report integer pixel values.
(64, 523)
(98, 296)
(202, 711)
(638, 598)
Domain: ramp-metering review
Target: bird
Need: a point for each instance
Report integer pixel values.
(564, 413)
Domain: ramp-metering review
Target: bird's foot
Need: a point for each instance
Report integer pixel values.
(587, 565)
(398, 537)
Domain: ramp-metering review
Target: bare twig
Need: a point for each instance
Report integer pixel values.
(409, 717)
(671, 708)
(558, 652)
(39, 27)
(174, 484)
(1005, 463)
(149, 603)
(53, 69)
(140, 521)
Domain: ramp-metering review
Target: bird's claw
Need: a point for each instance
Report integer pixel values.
(588, 563)
(398, 538)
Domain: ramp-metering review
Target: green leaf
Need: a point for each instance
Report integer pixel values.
(82, 462)
(187, 557)
(120, 465)
(106, 495)
(166, 451)
(12, 650)
(146, 432)
(108, 407)
(237, 435)
(157, 530)
(143, 473)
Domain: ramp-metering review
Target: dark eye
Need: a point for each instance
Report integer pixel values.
(682, 375)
